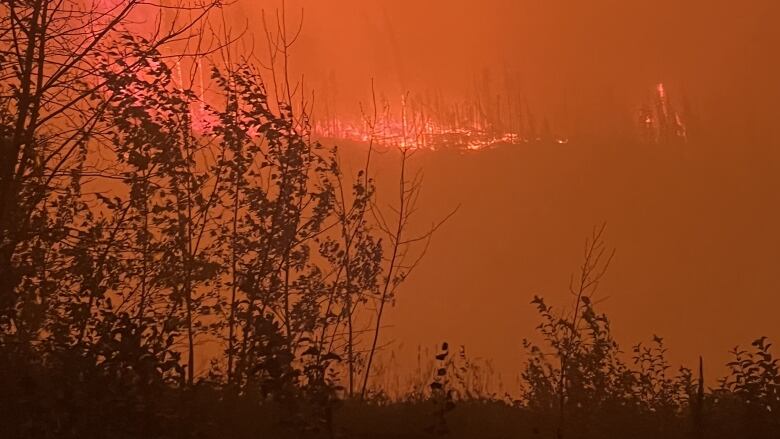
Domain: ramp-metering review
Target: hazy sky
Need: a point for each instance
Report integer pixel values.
(697, 229)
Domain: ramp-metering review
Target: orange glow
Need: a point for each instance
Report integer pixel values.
(553, 48)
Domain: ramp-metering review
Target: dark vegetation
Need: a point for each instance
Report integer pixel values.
(174, 268)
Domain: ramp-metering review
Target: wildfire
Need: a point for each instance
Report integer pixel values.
(413, 128)
(489, 120)
(661, 122)
(465, 127)
(419, 126)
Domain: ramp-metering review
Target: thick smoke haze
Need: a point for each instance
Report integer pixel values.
(587, 66)
(695, 226)
(390, 218)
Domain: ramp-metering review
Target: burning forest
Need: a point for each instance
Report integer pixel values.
(206, 232)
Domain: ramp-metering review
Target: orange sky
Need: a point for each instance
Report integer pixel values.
(696, 228)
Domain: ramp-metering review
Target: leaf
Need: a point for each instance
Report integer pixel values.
(331, 356)
(311, 351)
(105, 200)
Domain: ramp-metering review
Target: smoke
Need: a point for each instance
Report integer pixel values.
(692, 225)
(586, 66)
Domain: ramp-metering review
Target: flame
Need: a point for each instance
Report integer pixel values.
(430, 136)
(661, 90)
(661, 122)
(419, 127)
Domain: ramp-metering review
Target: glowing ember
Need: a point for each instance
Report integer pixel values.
(417, 126)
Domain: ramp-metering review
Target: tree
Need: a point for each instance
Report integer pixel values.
(49, 121)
